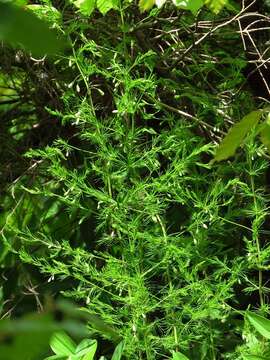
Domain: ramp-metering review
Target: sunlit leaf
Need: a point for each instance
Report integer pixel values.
(265, 135)
(20, 26)
(191, 5)
(62, 344)
(236, 135)
(146, 5)
(261, 324)
(91, 353)
(253, 357)
(104, 6)
(86, 6)
(216, 5)
(117, 354)
(87, 348)
(179, 356)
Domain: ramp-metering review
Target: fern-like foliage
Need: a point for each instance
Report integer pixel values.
(123, 212)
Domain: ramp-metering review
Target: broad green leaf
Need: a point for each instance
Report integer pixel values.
(216, 5)
(87, 348)
(104, 6)
(20, 26)
(261, 324)
(146, 5)
(253, 357)
(91, 353)
(29, 337)
(62, 344)
(117, 354)
(265, 135)
(179, 356)
(56, 357)
(191, 5)
(86, 6)
(236, 135)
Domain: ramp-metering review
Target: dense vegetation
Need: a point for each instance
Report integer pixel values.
(109, 194)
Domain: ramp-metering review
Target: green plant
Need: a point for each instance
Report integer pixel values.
(239, 132)
(112, 201)
(192, 5)
(179, 356)
(258, 349)
(64, 348)
(28, 337)
(86, 7)
(19, 26)
(260, 323)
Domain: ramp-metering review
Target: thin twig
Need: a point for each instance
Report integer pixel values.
(210, 32)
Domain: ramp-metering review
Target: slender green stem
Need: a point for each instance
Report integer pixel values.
(255, 232)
